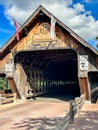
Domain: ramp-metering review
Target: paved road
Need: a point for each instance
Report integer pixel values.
(33, 115)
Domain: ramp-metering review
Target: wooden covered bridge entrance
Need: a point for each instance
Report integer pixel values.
(49, 58)
(49, 71)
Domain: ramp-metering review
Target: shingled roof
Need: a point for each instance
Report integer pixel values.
(46, 12)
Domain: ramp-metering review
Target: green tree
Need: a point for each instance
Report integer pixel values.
(97, 43)
(3, 83)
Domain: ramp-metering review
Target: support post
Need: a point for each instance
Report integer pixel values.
(0, 99)
(71, 109)
(14, 97)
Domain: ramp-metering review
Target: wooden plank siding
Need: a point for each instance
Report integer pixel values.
(84, 87)
(65, 38)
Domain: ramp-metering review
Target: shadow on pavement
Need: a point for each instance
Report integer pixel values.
(59, 97)
(37, 123)
(87, 120)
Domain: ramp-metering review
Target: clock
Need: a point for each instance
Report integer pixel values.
(44, 28)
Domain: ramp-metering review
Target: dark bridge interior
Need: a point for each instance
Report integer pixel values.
(51, 72)
(93, 79)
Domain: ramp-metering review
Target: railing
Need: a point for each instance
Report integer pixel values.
(75, 106)
(7, 98)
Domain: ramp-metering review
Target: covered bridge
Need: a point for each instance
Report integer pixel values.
(41, 62)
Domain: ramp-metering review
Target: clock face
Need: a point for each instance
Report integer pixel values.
(44, 28)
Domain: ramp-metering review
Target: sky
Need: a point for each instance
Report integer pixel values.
(80, 15)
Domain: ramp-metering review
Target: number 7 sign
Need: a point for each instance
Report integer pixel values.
(83, 62)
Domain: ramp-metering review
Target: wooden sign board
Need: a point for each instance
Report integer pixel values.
(84, 62)
(9, 70)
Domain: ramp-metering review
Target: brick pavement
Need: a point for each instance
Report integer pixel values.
(45, 114)
(87, 119)
(33, 115)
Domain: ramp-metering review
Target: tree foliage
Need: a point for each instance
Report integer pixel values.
(3, 83)
(97, 43)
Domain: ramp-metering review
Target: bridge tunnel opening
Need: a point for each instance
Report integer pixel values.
(93, 80)
(51, 72)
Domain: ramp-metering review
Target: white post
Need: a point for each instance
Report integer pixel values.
(0, 99)
(14, 97)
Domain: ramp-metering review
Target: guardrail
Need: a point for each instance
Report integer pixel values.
(74, 108)
(7, 98)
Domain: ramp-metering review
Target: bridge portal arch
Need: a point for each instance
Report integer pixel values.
(48, 72)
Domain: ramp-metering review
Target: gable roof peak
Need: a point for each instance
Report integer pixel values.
(45, 11)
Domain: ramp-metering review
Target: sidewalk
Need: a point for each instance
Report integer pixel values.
(87, 119)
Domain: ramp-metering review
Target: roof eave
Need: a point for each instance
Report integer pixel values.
(41, 8)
